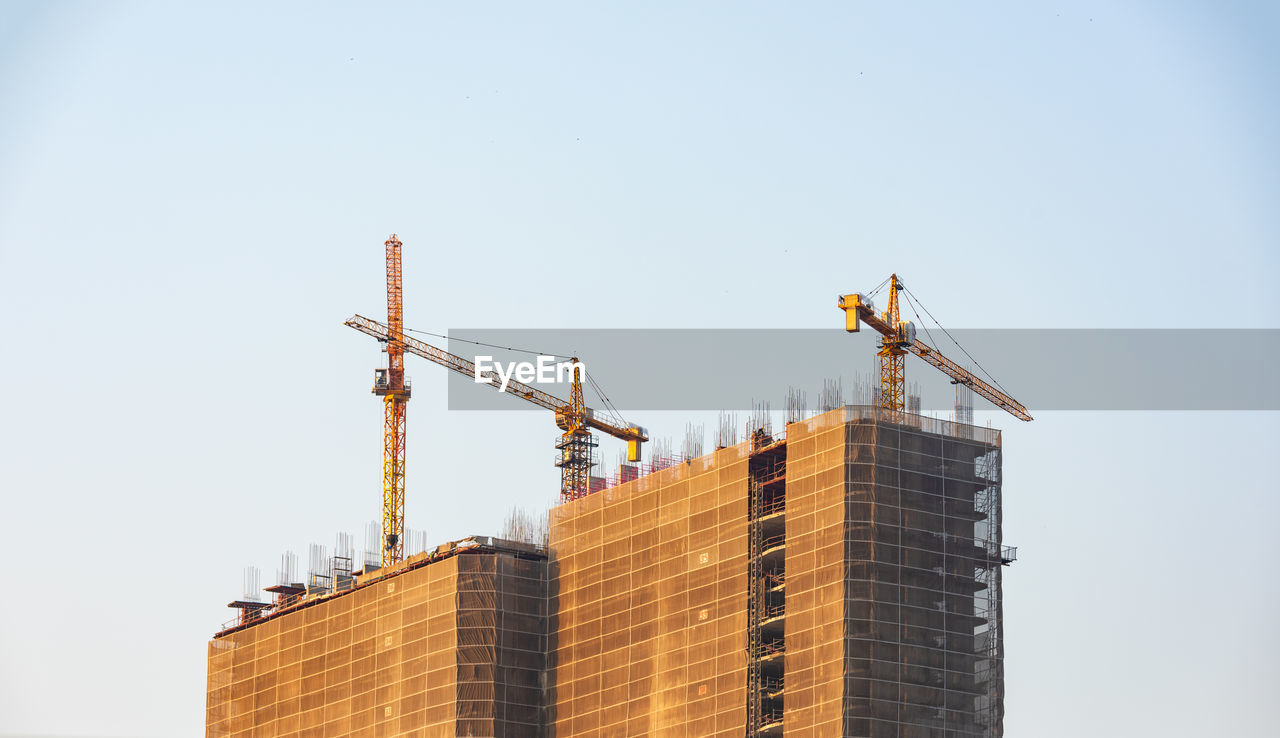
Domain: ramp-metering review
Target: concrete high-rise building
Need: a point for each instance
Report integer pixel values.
(448, 643)
(843, 580)
(839, 579)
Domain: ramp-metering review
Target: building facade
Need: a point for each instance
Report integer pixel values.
(451, 643)
(840, 579)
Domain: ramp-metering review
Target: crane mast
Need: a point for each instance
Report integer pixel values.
(893, 377)
(576, 445)
(390, 384)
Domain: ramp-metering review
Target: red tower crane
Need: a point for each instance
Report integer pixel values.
(390, 384)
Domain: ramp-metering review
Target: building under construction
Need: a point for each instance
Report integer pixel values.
(449, 642)
(840, 578)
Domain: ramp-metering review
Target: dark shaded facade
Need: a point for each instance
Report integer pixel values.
(893, 565)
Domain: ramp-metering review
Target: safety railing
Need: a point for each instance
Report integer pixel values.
(775, 470)
(773, 505)
(771, 715)
(769, 648)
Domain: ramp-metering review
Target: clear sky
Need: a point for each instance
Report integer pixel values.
(192, 199)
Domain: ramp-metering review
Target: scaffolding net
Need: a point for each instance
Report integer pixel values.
(894, 558)
(649, 593)
(842, 578)
(455, 647)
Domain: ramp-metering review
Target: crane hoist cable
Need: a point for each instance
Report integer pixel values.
(595, 385)
(488, 345)
(573, 417)
(953, 340)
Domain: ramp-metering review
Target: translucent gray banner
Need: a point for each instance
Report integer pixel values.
(731, 369)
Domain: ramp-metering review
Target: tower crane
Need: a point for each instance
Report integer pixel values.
(391, 386)
(574, 418)
(899, 339)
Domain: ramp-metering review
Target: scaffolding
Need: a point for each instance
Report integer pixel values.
(766, 597)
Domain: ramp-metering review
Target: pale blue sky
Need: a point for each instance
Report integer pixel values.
(192, 200)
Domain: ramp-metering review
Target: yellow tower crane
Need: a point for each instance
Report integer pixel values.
(390, 384)
(573, 417)
(899, 339)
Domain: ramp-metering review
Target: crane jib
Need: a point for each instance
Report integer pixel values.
(514, 387)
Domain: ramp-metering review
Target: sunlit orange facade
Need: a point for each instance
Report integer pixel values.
(840, 579)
